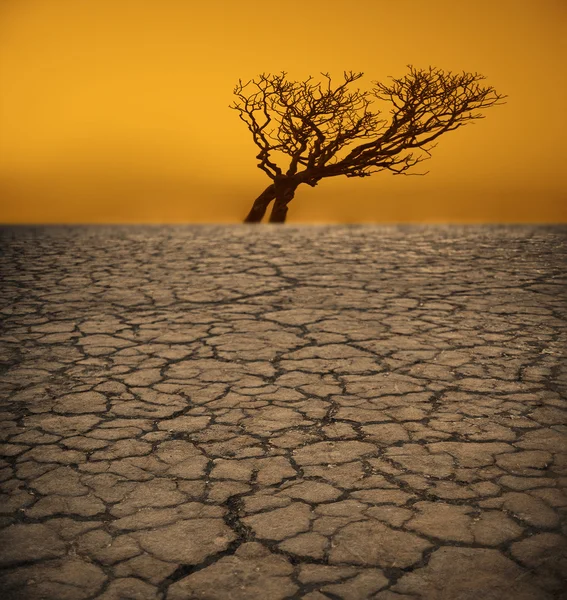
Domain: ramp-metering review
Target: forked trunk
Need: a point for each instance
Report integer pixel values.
(282, 191)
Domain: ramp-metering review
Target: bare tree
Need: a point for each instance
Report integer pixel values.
(313, 123)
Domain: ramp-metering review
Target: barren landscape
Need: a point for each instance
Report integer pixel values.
(283, 412)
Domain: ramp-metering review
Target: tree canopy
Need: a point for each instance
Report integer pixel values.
(316, 125)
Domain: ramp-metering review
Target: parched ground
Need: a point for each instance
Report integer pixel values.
(277, 412)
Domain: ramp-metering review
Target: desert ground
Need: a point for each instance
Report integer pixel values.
(315, 412)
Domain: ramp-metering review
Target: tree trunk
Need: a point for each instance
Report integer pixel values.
(284, 195)
(279, 211)
(260, 205)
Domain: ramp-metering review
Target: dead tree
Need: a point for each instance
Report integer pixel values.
(313, 124)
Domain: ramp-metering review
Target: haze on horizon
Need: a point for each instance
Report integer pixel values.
(117, 111)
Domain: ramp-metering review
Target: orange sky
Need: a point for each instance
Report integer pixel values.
(117, 110)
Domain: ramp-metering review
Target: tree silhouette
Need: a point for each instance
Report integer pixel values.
(312, 123)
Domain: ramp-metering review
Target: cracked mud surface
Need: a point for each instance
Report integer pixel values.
(316, 412)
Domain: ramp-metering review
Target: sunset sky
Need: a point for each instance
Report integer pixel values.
(117, 110)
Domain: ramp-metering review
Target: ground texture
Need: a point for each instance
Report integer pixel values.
(269, 412)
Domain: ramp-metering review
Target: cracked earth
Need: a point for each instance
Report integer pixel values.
(281, 412)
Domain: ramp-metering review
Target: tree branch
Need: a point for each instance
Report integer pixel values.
(312, 122)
